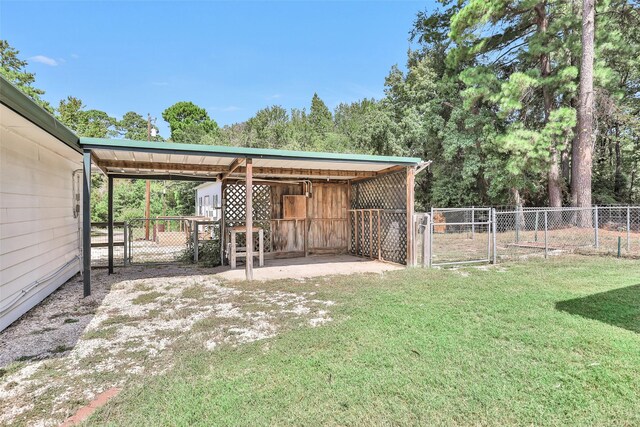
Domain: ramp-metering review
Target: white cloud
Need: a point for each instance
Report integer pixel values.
(275, 96)
(74, 56)
(44, 60)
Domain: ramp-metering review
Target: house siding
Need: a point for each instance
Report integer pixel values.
(39, 235)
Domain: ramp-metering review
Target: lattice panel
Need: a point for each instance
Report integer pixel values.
(386, 192)
(389, 193)
(236, 209)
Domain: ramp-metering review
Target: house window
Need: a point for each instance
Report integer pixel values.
(215, 200)
(200, 206)
(206, 201)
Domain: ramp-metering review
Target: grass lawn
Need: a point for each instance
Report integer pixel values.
(552, 342)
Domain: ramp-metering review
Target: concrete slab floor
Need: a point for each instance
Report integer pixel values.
(311, 266)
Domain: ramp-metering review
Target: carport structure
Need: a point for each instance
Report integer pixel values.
(306, 202)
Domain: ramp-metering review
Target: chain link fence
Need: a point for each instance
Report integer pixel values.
(477, 235)
(157, 241)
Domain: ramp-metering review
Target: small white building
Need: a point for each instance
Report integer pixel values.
(209, 199)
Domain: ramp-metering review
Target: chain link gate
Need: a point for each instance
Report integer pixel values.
(475, 235)
(452, 236)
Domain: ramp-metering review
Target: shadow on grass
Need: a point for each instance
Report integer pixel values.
(618, 307)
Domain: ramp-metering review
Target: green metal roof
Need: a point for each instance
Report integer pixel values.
(14, 99)
(243, 152)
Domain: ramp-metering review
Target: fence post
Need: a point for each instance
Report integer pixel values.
(473, 222)
(431, 230)
(628, 228)
(495, 241)
(546, 226)
(536, 232)
(517, 224)
(595, 227)
(426, 231)
(195, 240)
(126, 242)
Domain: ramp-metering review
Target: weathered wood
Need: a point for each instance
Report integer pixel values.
(232, 167)
(274, 172)
(410, 223)
(294, 206)
(379, 232)
(249, 220)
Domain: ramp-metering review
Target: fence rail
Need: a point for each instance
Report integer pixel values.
(452, 236)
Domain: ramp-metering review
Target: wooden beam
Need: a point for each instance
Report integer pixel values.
(96, 160)
(386, 171)
(249, 220)
(410, 223)
(181, 167)
(233, 166)
(309, 172)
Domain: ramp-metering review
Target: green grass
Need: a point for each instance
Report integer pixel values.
(544, 343)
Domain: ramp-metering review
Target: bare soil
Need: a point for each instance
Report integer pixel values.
(69, 349)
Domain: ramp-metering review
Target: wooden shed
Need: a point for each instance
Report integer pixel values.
(304, 202)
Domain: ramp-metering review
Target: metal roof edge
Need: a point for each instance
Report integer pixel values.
(245, 152)
(16, 100)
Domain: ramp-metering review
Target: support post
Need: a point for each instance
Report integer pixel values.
(518, 213)
(110, 222)
(411, 259)
(595, 227)
(223, 208)
(546, 227)
(536, 228)
(126, 244)
(431, 230)
(628, 228)
(194, 226)
(249, 220)
(473, 223)
(349, 247)
(371, 234)
(426, 255)
(86, 222)
(489, 238)
(379, 247)
(495, 235)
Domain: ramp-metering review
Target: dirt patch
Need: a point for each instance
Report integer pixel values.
(135, 324)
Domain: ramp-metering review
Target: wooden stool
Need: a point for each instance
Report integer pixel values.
(236, 252)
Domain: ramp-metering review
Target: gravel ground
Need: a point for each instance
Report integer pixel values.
(68, 349)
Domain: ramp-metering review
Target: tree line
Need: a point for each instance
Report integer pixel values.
(516, 103)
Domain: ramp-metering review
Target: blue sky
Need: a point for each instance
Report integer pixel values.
(231, 58)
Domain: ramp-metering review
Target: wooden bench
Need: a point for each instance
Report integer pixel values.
(236, 252)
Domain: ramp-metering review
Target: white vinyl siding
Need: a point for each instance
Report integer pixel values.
(39, 236)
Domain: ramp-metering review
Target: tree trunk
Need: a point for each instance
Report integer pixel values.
(618, 187)
(582, 157)
(554, 179)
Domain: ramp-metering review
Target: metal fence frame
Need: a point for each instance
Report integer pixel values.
(518, 233)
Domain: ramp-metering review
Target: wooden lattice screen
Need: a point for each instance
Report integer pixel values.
(235, 211)
(387, 192)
